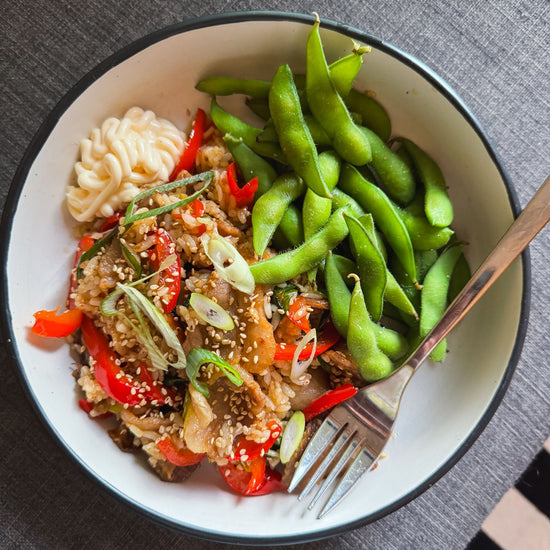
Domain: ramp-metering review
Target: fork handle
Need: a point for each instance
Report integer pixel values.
(531, 220)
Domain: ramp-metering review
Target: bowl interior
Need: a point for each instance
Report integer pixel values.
(444, 404)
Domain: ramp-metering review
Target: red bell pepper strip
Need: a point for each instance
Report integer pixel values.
(83, 246)
(329, 337)
(243, 195)
(248, 450)
(298, 314)
(156, 392)
(245, 481)
(87, 407)
(328, 400)
(52, 325)
(171, 276)
(197, 208)
(189, 155)
(114, 381)
(179, 457)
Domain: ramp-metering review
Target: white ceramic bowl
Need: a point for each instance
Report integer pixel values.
(445, 407)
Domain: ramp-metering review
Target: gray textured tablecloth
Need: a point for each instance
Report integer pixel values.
(496, 54)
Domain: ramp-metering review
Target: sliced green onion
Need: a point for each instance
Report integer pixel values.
(229, 264)
(299, 367)
(292, 436)
(132, 259)
(130, 217)
(211, 312)
(139, 301)
(198, 357)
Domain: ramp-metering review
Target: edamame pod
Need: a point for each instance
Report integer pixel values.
(373, 200)
(270, 208)
(291, 226)
(292, 263)
(316, 209)
(434, 296)
(225, 85)
(361, 339)
(437, 205)
(340, 199)
(251, 164)
(339, 295)
(294, 136)
(461, 275)
(373, 114)
(395, 175)
(328, 107)
(424, 236)
(371, 266)
(259, 106)
(230, 124)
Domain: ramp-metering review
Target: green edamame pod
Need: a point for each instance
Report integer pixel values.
(424, 236)
(361, 339)
(345, 267)
(251, 164)
(339, 295)
(230, 124)
(224, 85)
(396, 176)
(461, 275)
(291, 226)
(390, 342)
(373, 114)
(316, 210)
(270, 208)
(328, 107)
(371, 266)
(340, 199)
(344, 70)
(268, 133)
(288, 265)
(373, 200)
(294, 136)
(259, 106)
(438, 206)
(434, 294)
(393, 293)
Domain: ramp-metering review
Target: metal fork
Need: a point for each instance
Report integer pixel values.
(352, 437)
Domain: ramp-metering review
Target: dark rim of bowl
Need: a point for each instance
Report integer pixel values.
(221, 19)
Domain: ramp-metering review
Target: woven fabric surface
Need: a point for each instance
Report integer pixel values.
(493, 53)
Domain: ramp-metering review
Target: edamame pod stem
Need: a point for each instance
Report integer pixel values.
(373, 200)
(345, 267)
(433, 296)
(230, 124)
(344, 70)
(373, 364)
(328, 107)
(270, 208)
(373, 114)
(294, 136)
(288, 265)
(291, 226)
(371, 266)
(316, 210)
(424, 236)
(437, 205)
(395, 175)
(224, 85)
(251, 164)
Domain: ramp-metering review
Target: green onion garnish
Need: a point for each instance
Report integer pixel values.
(211, 312)
(198, 357)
